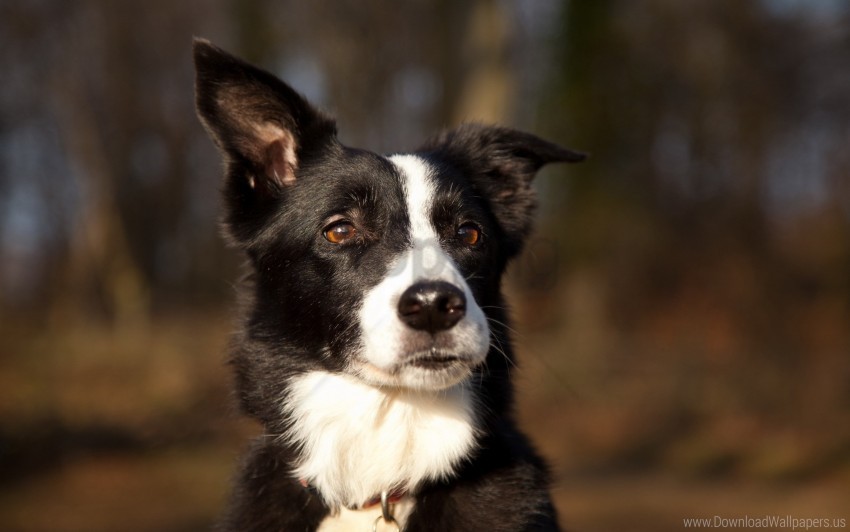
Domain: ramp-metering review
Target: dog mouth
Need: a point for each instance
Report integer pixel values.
(429, 369)
(434, 360)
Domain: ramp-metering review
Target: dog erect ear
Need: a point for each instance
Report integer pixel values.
(501, 163)
(260, 123)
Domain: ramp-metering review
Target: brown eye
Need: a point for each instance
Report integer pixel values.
(339, 232)
(469, 234)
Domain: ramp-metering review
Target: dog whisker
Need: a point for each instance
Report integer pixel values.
(505, 325)
(504, 355)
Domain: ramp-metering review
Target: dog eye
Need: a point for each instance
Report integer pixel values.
(469, 234)
(340, 232)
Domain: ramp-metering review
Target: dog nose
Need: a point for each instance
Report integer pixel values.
(432, 306)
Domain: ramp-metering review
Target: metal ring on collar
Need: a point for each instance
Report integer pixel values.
(389, 521)
(386, 513)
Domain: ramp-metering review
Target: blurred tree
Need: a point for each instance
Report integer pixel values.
(686, 109)
(117, 216)
(118, 191)
(488, 85)
(710, 218)
(712, 126)
(100, 263)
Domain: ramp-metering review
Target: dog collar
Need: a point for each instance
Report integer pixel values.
(392, 496)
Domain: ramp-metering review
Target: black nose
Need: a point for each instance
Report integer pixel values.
(432, 306)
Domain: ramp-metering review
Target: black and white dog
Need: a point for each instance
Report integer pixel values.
(374, 349)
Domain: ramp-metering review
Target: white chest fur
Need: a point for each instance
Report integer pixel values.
(357, 440)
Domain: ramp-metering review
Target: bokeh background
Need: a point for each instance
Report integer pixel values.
(682, 316)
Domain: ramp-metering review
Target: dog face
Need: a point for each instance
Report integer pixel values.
(382, 268)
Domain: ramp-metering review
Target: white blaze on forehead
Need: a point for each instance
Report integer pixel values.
(426, 260)
(419, 193)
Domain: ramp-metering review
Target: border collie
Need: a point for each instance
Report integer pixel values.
(374, 349)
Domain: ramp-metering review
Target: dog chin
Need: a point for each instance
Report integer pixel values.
(420, 371)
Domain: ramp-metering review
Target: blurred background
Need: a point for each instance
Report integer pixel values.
(682, 316)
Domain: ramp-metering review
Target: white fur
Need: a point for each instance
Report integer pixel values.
(357, 440)
(385, 338)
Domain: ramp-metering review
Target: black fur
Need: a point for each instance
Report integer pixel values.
(286, 173)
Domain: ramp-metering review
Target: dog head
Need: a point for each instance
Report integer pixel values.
(385, 268)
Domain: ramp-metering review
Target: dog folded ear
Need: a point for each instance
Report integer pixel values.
(501, 163)
(261, 124)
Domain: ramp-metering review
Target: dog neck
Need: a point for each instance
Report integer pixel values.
(356, 440)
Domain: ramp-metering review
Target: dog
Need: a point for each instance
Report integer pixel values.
(375, 349)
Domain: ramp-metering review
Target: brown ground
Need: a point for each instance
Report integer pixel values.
(134, 430)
